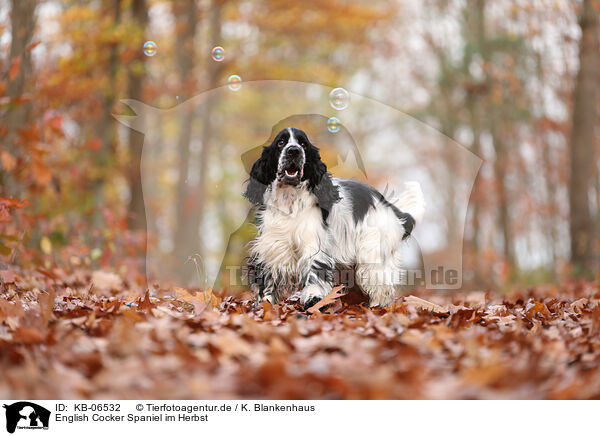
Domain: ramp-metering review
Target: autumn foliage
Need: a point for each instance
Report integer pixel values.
(514, 83)
(83, 335)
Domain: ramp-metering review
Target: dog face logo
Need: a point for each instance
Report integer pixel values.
(192, 180)
(26, 415)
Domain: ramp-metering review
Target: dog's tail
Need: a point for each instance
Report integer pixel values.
(411, 201)
(411, 207)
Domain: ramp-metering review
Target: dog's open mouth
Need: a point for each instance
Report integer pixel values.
(290, 175)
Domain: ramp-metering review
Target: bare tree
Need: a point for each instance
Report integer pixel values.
(135, 82)
(213, 70)
(186, 238)
(23, 25)
(582, 139)
(106, 129)
(500, 168)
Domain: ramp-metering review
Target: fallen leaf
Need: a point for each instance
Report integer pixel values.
(424, 304)
(328, 299)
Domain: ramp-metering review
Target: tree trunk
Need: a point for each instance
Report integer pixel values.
(213, 68)
(475, 21)
(476, 197)
(548, 219)
(186, 238)
(582, 141)
(597, 178)
(106, 127)
(23, 25)
(500, 165)
(135, 81)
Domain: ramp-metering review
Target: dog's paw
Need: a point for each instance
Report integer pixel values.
(258, 300)
(310, 302)
(311, 295)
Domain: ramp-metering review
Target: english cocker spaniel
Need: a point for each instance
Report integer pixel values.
(312, 225)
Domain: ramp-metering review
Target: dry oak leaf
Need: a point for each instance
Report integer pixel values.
(198, 299)
(577, 305)
(328, 299)
(534, 308)
(144, 303)
(424, 304)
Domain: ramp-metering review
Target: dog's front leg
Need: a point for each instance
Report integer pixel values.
(319, 280)
(261, 282)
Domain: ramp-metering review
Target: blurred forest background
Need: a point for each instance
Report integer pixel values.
(514, 81)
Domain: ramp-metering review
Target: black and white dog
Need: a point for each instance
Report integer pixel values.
(310, 223)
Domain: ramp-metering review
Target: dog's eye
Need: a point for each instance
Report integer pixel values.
(280, 143)
(303, 144)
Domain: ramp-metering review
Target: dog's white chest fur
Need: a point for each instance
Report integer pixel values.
(290, 230)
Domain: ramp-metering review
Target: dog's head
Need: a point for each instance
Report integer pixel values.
(291, 160)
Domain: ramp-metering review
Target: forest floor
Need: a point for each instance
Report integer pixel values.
(91, 336)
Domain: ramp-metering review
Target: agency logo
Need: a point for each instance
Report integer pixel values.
(193, 177)
(26, 415)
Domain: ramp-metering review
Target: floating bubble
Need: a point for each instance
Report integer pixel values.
(339, 98)
(150, 48)
(235, 82)
(218, 53)
(334, 124)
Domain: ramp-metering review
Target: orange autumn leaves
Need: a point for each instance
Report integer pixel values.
(83, 335)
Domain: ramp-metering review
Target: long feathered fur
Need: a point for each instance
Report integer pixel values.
(310, 224)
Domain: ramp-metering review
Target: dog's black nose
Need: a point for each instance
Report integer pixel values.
(293, 151)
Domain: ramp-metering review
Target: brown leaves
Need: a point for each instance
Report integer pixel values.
(330, 298)
(107, 340)
(537, 310)
(8, 161)
(41, 172)
(198, 299)
(144, 303)
(28, 336)
(423, 304)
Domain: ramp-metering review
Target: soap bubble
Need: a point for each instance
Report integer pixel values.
(218, 53)
(150, 48)
(235, 82)
(333, 124)
(339, 99)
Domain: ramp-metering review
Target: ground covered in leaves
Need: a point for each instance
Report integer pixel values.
(91, 335)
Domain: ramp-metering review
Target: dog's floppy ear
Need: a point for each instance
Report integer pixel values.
(261, 176)
(319, 181)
